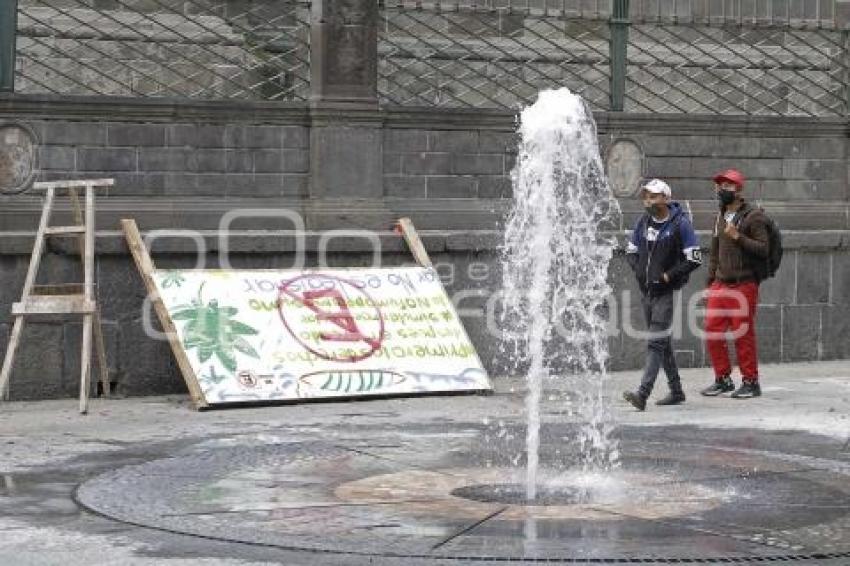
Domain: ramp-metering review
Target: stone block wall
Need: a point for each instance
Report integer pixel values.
(183, 166)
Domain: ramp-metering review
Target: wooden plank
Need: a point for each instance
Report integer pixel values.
(14, 337)
(54, 304)
(76, 184)
(146, 267)
(102, 362)
(85, 364)
(65, 230)
(32, 271)
(58, 289)
(413, 242)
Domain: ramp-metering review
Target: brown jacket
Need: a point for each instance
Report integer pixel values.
(731, 260)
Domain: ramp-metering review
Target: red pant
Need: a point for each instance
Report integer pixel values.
(732, 307)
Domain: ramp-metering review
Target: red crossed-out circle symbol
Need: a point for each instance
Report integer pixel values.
(336, 290)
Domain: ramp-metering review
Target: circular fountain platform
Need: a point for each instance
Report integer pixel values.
(682, 495)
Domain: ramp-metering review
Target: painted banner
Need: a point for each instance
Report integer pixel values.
(267, 335)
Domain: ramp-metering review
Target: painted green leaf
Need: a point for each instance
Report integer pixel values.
(212, 330)
(227, 359)
(172, 279)
(242, 345)
(239, 328)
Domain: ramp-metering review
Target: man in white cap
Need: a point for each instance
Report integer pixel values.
(663, 250)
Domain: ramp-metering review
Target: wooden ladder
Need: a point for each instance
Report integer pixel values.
(72, 298)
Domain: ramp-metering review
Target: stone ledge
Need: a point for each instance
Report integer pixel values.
(111, 242)
(128, 109)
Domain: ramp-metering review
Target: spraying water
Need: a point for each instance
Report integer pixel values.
(555, 265)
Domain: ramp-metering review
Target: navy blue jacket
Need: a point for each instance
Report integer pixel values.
(672, 248)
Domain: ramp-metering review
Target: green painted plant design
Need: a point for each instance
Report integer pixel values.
(212, 330)
(172, 279)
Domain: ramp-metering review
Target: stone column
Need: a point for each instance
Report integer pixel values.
(8, 29)
(842, 14)
(346, 140)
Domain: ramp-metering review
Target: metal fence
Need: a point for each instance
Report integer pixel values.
(756, 57)
(244, 49)
(692, 56)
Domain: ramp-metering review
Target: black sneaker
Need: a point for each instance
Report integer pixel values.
(672, 399)
(724, 385)
(748, 390)
(635, 399)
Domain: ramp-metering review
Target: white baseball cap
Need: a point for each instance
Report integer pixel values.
(657, 186)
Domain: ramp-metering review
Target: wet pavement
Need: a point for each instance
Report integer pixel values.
(435, 480)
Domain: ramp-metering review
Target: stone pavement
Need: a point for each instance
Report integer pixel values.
(163, 484)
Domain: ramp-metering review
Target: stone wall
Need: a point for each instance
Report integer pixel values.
(181, 165)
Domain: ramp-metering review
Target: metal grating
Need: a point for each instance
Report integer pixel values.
(737, 69)
(200, 49)
(488, 58)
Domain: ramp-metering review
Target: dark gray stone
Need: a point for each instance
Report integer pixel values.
(73, 133)
(768, 332)
(208, 160)
(38, 372)
(494, 187)
(346, 162)
(813, 278)
(267, 185)
(296, 185)
(834, 332)
(782, 288)
(405, 140)
(245, 137)
(397, 186)
(426, 164)
(840, 294)
(57, 157)
(295, 137)
(73, 333)
(800, 333)
(804, 190)
(392, 163)
(751, 168)
(239, 184)
(803, 148)
(453, 141)
(106, 159)
(665, 167)
(187, 184)
(270, 161)
(477, 164)
(351, 29)
(196, 135)
(146, 363)
(135, 135)
(296, 161)
(498, 142)
(814, 169)
(239, 161)
(167, 159)
(451, 187)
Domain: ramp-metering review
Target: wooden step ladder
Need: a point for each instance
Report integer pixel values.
(75, 298)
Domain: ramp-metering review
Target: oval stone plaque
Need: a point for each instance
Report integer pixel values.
(624, 162)
(17, 158)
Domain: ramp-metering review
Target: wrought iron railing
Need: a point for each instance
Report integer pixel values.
(191, 48)
(752, 57)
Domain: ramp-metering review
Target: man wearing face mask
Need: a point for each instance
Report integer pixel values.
(740, 238)
(663, 250)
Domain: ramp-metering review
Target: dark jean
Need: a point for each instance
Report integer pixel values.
(658, 312)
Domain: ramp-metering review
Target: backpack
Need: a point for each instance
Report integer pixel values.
(767, 267)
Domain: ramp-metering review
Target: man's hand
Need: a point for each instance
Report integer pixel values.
(731, 231)
(665, 277)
